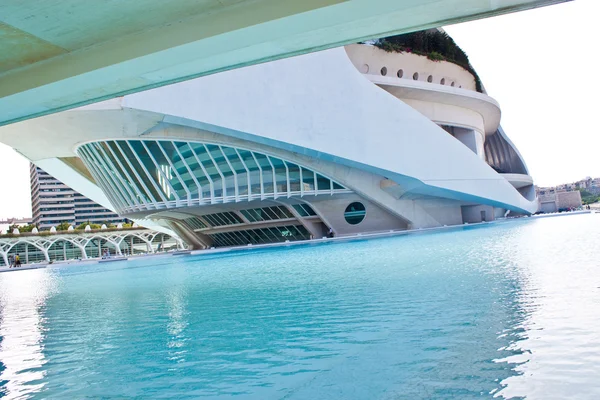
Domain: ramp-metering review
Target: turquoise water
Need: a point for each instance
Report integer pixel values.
(510, 310)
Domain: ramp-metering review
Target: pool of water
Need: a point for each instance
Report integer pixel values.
(509, 310)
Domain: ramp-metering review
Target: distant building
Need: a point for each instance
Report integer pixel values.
(594, 186)
(53, 202)
(552, 200)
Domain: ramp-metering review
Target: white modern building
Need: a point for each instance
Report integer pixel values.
(353, 139)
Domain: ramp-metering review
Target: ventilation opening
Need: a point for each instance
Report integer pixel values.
(443, 81)
(416, 76)
(400, 73)
(384, 71)
(430, 79)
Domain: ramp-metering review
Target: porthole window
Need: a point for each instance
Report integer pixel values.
(452, 84)
(430, 79)
(460, 87)
(365, 68)
(416, 76)
(355, 213)
(384, 71)
(400, 73)
(443, 81)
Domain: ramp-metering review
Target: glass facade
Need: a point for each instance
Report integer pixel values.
(139, 175)
(260, 236)
(267, 214)
(304, 210)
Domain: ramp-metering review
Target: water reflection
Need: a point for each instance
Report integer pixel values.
(556, 347)
(508, 310)
(177, 311)
(22, 301)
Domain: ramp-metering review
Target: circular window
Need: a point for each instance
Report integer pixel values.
(355, 213)
(384, 71)
(400, 73)
(443, 81)
(365, 68)
(430, 79)
(416, 76)
(452, 84)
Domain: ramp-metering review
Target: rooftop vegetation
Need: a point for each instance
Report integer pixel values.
(433, 44)
(62, 228)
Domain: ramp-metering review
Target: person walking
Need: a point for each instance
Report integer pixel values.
(17, 261)
(11, 261)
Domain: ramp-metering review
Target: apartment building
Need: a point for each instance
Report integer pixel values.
(53, 202)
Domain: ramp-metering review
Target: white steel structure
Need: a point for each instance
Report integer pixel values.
(351, 140)
(33, 248)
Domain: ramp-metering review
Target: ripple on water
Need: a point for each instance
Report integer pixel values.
(508, 310)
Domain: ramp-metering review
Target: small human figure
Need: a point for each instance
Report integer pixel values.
(17, 261)
(11, 261)
(330, 233)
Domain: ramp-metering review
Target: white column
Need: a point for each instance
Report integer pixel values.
(474, 140)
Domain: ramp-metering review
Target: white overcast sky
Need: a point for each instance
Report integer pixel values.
(540, 65)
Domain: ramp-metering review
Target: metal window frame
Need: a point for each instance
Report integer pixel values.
(249, 193)
(149, 194)
(88, 160)
(187, 190)
(133, 183)
(192, 174)
(211, 184)
(161, 172)
(223, 186)
(236, 189)
(109, 188)
(119, 176)
(108, 177)
(148, 174)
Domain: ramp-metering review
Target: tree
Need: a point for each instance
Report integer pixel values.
(63, 226)
(588, 198)
(92, 226)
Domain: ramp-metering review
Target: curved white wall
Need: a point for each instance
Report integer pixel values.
(319, 104)
(371, 60)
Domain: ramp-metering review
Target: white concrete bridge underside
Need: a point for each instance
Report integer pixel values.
(55, 55)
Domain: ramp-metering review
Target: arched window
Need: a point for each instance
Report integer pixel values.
(400, 73)
(430, 78)
(443, 81)
(384, 71)
(416, 76)
(452, 84)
